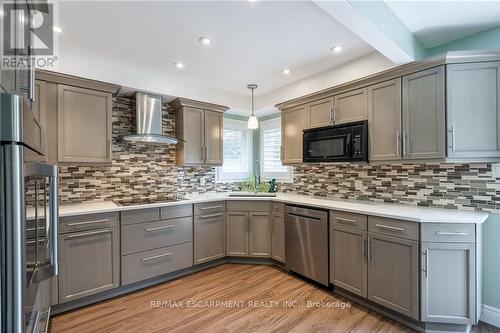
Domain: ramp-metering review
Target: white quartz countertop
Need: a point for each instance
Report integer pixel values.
(395, 211)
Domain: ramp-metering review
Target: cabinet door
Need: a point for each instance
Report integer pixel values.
(473, 110)
(209, 237)
(384, 120)
(40, 112)
(393, 273)
(448, 283)
(321, 112)
(424, 114)
(237, 234)
(213, 137)
(89, 263)
(348, 262)
(84, 125)
(260, 234)
(293, 123)
(278, 239)
(194, 135)
(351, 106)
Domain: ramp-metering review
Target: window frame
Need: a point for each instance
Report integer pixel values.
(235, 177)
(283, 177)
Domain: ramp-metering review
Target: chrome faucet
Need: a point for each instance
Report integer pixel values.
(256, 176)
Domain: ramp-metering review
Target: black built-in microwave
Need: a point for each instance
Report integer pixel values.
(339, 143)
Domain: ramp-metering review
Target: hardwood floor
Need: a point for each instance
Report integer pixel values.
(258, 299)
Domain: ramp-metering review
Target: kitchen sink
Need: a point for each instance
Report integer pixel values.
(251, 194)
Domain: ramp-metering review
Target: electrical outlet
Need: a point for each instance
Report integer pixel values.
(203, 181)
(495, 170)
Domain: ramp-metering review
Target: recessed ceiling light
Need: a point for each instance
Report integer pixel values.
(178, 65)
(286, 71)
(57, 29)
(205, 40)
(336, 49)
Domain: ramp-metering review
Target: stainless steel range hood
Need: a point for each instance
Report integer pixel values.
(149, 121)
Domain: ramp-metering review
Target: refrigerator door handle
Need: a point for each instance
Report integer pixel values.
(53, 222)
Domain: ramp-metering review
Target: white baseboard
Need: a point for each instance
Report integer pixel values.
(491, 315)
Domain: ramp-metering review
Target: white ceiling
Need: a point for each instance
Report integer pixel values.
(438, 22)
(251, 41)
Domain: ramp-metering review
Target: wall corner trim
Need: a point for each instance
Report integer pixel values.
(490, 315)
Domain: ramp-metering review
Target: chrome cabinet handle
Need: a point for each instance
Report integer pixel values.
(340, 219)
(157, 257)
(209, 216)
(334, 114)
(211, 207)
(74, 224)
(404, 143)
(363, 254)
(451, 130)
(370, 250)
(160, 228)
(398, 138)
(389, 227)
(426, 254)
(98, 232)
(456, 233)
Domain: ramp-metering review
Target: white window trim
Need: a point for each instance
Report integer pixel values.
(225, 177)
(284, 177)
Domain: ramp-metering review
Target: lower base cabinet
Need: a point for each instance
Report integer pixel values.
(278, 238)
(209, 237)
(89, 263)
(248, 234)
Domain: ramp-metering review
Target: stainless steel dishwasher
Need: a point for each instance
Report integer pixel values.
(306, 242)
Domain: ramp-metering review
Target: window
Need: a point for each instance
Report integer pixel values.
(270, 152)
(237, 140)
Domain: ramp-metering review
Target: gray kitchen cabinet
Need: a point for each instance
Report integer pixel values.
(473, 110)
(384, 120)
(259, 243)
(348, 262)
(350, 106)
(293, 122)
(89, 263)
(393, 273)
(424, 114)
(200, 126)
(448, 279)
(320, 112)
(209, 237)
(84, 125)
(40, 111)
(278, 238)
(237, 234)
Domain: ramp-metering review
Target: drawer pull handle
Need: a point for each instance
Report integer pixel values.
(74, 224)
(211, 207)
(456, 233)
(425, 270)
(340, 219)
(159, 228)
(88, 234)
(157, 257)
(389, 227)
(209, 216)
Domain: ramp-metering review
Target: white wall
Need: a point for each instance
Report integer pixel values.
(354, 69)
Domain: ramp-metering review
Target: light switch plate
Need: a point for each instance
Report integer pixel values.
(495, 170)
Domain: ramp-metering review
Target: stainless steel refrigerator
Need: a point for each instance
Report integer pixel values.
(28, 202)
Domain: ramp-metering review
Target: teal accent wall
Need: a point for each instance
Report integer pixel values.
(388, 23)
(491, 261)
(484, 40)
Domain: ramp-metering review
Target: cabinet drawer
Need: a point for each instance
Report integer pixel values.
(140, 215)
(393, 227)
(248, 206)
(173, 212)
(209, 207)
(351, 220)
(145, 265)
(87, 222)
(152, 235)
(278, 208)
(448, 233)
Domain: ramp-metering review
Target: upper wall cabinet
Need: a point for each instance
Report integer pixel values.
(351, 106)
(473, 110)
(84, 125)
(424, 114)
(40, 111)
(384, 120)
(320, 112)
(200, 126)
(293, 122)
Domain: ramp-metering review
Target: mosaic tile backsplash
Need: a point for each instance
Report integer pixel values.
(140, 171)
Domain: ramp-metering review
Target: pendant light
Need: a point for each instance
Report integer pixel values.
(253, 123)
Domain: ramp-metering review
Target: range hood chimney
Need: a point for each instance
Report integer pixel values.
(149, 123)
